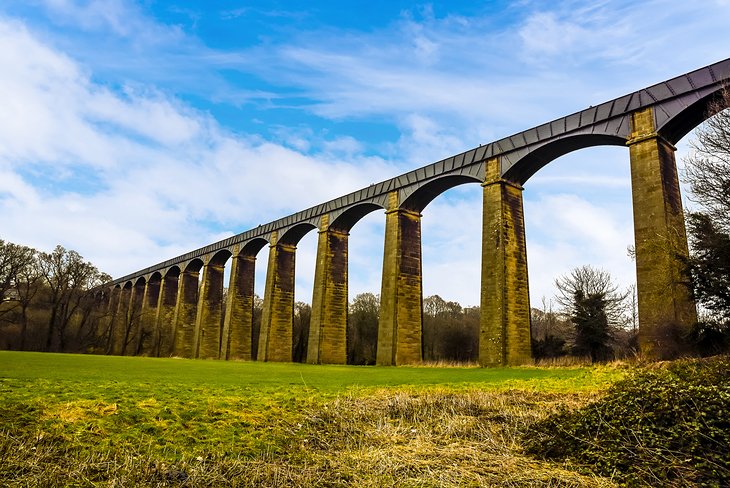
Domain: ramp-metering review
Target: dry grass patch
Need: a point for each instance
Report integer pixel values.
(408, 437)
(436, 437)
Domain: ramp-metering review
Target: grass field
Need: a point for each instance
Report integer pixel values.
(125, 421)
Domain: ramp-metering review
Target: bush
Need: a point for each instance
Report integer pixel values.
(549, 347)
(666, 425)
(710, 337)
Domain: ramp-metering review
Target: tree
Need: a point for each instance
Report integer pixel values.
(595, 307)
(709, 265)
(450, 332)
(27, 288)
(300, 331)
(707, 170)
(16, 262)
(69, 279)
(362, 329)
(258, 309)
(550, 332)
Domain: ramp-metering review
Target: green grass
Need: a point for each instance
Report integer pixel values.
(235, 374)
(97, 421)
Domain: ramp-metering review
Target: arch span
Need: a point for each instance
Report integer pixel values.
(692, 116)
(194, 266)
(253, 247)
(533, 161)
(173, 271)
(220, 258)
(347, 219)
(425, 194)
(294, 234)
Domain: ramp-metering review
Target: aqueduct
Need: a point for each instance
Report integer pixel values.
(181, 311)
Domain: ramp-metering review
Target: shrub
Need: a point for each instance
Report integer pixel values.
(664, 425)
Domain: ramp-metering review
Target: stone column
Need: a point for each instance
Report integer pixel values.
(275, 338)
(147, 318)
(238, 324)
(185, 311)
(207, 337)
(133, 333)
(328, 327)
(401, 296)
(666, 310)
(112, 313)
(119, 324)
(504, 337)
(164, 320)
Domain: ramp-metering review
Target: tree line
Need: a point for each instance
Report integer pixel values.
(50, 301)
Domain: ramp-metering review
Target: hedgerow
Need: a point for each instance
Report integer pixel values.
(666, 425)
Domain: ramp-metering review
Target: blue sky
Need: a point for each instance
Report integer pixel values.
(133, 132)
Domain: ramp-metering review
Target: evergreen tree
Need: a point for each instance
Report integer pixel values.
(594, 306)
(592, 329)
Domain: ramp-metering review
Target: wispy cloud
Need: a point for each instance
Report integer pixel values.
(167, 178)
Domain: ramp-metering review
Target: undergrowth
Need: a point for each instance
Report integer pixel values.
(664, 425)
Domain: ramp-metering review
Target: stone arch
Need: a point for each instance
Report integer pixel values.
(531, 163)
(295, 233)
(220, 258)
(155, 277)
(194, 265)
(173, 271)
(426, 193)
(252, 247)
(347, 219)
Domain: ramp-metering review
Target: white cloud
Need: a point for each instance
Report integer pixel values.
(164, 178)
(566, 230)
(120, 17)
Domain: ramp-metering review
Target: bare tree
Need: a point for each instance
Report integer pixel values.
(362, 329)
(69, 278)
(16, 261)
(27, 288)
(591, 281)
(300, 331)
(707, 168)
(595, 306)
(450, 332)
